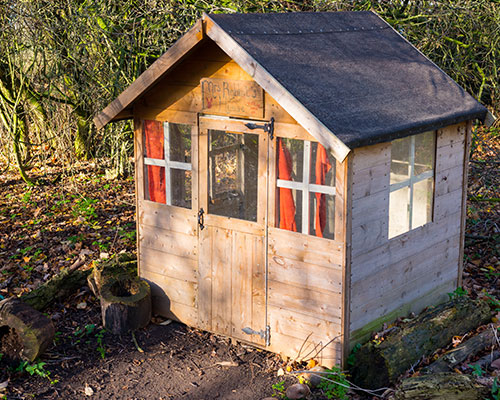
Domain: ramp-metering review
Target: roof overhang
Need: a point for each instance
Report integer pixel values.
(121, 107)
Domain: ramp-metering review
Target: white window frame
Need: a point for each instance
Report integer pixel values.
(167, 163)
(412, 179)
(305, 186)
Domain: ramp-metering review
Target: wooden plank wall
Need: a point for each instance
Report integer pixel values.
(168, 253)
(305, 295)
(306, 301)
(415, 269)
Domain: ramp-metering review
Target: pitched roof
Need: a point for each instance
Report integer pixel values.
(346, 77)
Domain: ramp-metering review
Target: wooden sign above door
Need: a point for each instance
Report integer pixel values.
(232, 98)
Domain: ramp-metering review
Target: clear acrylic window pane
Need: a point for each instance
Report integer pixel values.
(322, 166)
(180, 143)
(153, 140)
(154, 182)
(290, 159)
(399, 220)
(422, 203)
(289, 209)
(181, 188)
(424, 152)
(322, 215)
(232, 174)
(400, 160)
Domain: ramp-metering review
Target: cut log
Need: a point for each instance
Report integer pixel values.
(64, 284)
(441, 386)
(459, 354)
(125, 304)
(25, 333)
(378, 364)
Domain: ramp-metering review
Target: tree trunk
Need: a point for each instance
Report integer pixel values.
(470, 347)
(441, 386)
(25, 333)
(379, 364)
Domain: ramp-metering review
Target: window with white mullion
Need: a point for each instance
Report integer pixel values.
(304, 165)
(166, 145)
(411, 182)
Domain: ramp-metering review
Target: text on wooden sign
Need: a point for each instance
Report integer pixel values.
(234, 98)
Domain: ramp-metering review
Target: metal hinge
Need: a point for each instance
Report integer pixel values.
(266, 335)
(269, 128)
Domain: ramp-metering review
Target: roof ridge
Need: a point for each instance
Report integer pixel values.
(308, 31)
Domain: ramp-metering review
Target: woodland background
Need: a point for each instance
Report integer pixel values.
(62, 61)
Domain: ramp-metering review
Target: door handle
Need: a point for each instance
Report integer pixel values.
(201, 219)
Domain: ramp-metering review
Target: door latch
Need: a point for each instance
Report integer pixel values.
(266, 335)
(201, 219)
(269, 128)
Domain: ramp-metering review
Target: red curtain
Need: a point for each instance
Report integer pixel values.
(287, 204)
(154, 149)
(322, 167)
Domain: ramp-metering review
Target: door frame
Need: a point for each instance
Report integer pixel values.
(260, 334)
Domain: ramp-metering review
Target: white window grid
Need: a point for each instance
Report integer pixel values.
(306, 187)
(168, 164)
(413, 179)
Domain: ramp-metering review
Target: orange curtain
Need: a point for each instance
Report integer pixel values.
(287, 204)
(322, 167)
(154, 149)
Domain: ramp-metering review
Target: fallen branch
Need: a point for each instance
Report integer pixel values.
(459, 354)
(379, 363)
(58, 287)
(443, 385)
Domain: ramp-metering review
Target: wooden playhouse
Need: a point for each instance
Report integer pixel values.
(300, 178)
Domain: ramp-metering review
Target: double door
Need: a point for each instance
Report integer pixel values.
(233, 200)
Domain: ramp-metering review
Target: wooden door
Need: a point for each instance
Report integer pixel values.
(233, 165)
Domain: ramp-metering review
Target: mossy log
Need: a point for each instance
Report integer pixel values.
(459, 354)
(58, 287)
(441, 386)
(25, 333)
(378, 364)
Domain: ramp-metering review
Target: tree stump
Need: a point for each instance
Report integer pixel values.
(25, 333)
(380, 363)
(125, 298)
(441, 386)
(125, 304)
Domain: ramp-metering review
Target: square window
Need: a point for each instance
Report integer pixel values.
(167, 163)
(411, 182)
(305, 200)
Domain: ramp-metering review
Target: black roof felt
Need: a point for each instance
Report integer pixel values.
(352, 71)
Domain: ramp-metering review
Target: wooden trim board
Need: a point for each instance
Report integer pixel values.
(149, 77)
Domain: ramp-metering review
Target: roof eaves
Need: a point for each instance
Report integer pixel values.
(275, 89)
(149, 77)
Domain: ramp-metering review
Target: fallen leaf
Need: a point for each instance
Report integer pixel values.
(3, 385)
(88, 390)
(82, 305)
(281, 372)
(496, 364)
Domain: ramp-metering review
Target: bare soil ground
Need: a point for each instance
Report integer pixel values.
(77, 212)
